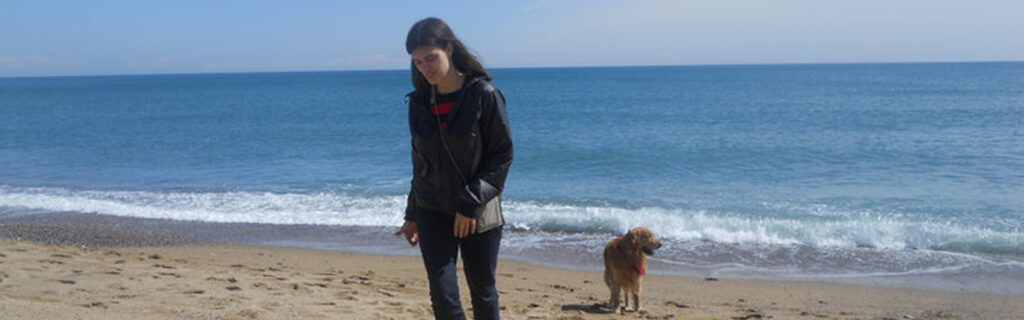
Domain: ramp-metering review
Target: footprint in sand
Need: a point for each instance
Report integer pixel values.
(315, 284)
(677, 304)
(271, 306)
(347, 296)
(117, 286)
(751, 316)
(275, 277)
(231, 280)
(264, 286)
(248, 314)
(561, 287)
(96, 305)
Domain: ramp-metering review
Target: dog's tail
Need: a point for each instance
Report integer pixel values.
(607, 269)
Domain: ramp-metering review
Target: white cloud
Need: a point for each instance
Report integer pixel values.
(376, 58)
(155, 63)
(322, 62)
(17, 66)
(14, 62)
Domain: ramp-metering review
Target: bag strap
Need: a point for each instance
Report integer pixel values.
(444, 142)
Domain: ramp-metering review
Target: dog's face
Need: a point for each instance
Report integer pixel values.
(645, 240)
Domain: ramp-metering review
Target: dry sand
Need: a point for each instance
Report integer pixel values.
(245, 282)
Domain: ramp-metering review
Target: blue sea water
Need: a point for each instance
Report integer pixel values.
(830, 171)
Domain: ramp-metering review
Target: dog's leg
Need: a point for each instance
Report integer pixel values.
(611, 287)
(614, 303)
(625, 300)
(636, 300)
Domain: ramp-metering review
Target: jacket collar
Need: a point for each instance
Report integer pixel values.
(468, 83)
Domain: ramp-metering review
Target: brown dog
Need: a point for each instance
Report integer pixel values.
(625, 261)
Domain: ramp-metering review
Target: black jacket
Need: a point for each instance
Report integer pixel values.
(480, 141)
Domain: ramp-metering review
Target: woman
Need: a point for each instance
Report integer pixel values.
(461, 152)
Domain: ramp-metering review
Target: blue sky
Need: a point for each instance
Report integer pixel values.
(41, 38)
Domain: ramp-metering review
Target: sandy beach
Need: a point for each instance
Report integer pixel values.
(39, 281)
(780, 189)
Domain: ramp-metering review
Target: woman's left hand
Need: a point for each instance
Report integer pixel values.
(464, 226)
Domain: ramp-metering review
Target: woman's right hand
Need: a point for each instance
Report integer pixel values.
(410, 232)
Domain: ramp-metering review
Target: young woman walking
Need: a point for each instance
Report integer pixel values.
(461, 152)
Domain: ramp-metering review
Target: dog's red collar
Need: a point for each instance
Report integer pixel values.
(638, 270)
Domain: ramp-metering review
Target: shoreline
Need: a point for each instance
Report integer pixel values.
(92, 230)
(98, 267)
(260, 282)
(573, 251)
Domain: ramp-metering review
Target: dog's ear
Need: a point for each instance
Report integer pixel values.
(627, 244)
(641, 232)
(630, 237)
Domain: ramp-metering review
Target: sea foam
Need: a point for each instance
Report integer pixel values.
(841, 230)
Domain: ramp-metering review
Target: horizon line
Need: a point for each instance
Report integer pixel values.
(517, 67)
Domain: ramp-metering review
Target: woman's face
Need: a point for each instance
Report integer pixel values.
(432, 62)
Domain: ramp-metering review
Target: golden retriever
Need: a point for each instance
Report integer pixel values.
(625, 261)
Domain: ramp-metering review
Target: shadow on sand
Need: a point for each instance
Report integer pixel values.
(596, 308)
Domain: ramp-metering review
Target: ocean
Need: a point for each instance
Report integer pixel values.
(908, 174)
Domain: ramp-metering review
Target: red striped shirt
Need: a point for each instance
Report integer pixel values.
(442, 110)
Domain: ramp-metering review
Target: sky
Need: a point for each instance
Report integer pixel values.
(51, 38)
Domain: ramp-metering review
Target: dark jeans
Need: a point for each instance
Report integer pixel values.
(440, 250)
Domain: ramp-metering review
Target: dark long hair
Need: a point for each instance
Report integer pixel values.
(434, 32)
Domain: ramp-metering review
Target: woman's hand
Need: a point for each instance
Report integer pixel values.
(464, 226)
(410, 232)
